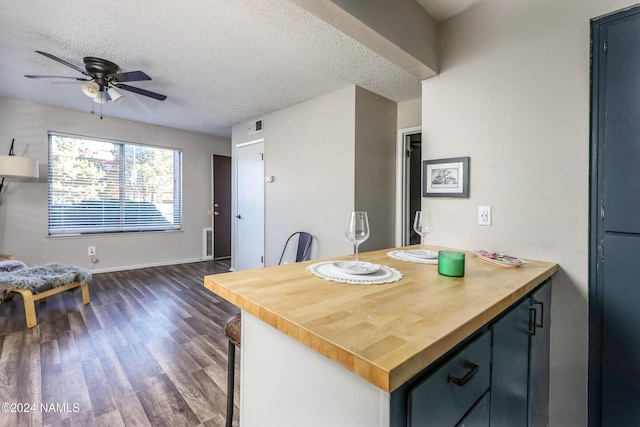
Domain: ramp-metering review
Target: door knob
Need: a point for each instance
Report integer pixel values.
(215, 205)
(239, 216)
(216, 213)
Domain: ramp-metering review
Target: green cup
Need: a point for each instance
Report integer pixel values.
(451, 263)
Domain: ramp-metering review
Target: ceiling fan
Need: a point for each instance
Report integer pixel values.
(103, 78)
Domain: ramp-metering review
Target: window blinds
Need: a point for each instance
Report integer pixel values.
(101, 186)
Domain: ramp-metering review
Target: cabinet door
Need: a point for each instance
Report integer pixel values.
(539, 363)
(509, 377)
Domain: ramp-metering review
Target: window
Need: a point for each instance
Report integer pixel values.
(101, 186)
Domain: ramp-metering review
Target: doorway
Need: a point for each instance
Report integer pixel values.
(614, 318)
(221, 212)
(409, 184)
(249, 217)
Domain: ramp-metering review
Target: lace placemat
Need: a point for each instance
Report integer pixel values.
(405, 256)
(327, 270)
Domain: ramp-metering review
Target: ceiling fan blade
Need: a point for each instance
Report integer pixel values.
(141, 91)
(82, 79)
(131, 76)
(63, 62)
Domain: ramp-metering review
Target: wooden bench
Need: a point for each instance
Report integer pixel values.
(29, 298)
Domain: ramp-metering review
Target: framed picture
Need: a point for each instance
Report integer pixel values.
(445, 177)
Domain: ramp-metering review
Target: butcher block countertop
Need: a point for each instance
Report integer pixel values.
(386, 333)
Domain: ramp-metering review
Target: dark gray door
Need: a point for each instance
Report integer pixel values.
(221, 207)
(614, 370)
(414, 183)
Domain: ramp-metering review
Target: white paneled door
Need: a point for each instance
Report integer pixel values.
(250, 209)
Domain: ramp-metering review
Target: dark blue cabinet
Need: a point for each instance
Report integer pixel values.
(450, 392)
(478, 416)
(509, 378)
(520, 374)
(539, 359)
(497, 377)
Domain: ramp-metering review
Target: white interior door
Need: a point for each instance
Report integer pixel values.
(250, 209)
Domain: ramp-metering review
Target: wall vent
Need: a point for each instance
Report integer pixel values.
(255, 126)
(207, 243)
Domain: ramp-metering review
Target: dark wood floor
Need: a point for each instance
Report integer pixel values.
(149, 350)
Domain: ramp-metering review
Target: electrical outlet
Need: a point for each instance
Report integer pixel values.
(484, 215)
(91, 250)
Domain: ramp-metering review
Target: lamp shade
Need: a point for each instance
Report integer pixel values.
(18, 167)
(90, 89)
(114, 94)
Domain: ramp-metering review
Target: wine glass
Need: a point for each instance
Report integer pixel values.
(357, 229)
(423, 225)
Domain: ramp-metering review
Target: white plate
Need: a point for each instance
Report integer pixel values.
(328, 271)
(402, 255)
(350, 267)
(422, 254)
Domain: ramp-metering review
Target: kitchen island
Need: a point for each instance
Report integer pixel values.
(316, 352)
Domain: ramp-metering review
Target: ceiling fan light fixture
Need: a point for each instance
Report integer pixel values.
(90, 89)
(114, 94)
(100, 98)
(101, 75)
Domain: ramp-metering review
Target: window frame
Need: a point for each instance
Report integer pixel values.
(122, 213)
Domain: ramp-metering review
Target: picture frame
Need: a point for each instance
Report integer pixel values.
(445, 177)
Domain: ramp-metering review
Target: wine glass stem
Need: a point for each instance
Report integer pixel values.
(422, 241)
(357, 244)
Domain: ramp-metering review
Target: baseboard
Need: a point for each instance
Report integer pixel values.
(151, 264)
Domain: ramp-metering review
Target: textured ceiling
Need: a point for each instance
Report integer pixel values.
(218, 61)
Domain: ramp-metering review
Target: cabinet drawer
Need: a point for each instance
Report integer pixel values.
(479, 415)
(445, 396)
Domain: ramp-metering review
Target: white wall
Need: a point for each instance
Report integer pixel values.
(513, 94)
(328, 156)
(23, 212)
(375, 166)
(309, 150)
(410, 113)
